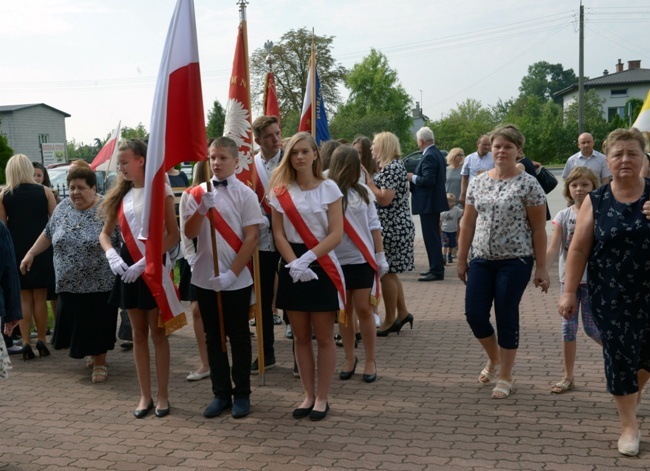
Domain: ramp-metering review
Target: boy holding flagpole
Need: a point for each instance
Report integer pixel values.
(237, 218)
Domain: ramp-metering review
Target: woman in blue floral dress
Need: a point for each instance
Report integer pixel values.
(613, 235)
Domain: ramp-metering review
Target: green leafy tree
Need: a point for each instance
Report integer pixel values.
(138, 132)
(463, 126)
(377, 101)
(292, 53)
(595, 123)
(544, 79)
(5, 154)
(216, 118)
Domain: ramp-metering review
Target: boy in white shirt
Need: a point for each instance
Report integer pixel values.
(449, 228)
(237, 217)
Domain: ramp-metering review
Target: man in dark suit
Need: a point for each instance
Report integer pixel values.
(429, 199)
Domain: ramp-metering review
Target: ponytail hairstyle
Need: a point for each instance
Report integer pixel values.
(345, 170)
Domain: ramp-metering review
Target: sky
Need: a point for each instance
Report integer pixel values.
(98, 60)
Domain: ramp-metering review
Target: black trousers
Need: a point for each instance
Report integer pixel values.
(235, 317)
(431, 235)
(268, 268)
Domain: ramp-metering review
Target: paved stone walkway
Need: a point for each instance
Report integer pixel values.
(426, 411)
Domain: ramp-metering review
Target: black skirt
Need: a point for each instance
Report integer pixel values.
(85, 323)
(358, 276)
(312, 296)
(185, 286)
(134, 295)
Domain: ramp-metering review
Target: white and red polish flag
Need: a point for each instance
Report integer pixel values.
(177, 135)
(106, 158)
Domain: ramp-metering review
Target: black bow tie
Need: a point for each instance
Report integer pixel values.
(216, 183)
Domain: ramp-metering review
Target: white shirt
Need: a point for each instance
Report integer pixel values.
(366, 214)
(475, 165)
(596, 162)
(266, 234)
(312, 206)
(240, 208)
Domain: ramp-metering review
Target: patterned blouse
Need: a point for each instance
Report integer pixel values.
(502, 228)
(79, 262)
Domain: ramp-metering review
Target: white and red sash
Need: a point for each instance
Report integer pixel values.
(332, 269)
(356, 234)
(261, 181)
(172, 317)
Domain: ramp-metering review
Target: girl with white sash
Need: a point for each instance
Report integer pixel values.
(361, 255)
(307, 226)
(124, 203)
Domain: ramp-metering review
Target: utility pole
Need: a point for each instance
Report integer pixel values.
(581, 73)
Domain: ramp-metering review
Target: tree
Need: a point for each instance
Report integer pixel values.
(463, 126)
(377, 101)
(5, 154)
(216, 118)
(544, 79)
(139, 132)
(290, 69)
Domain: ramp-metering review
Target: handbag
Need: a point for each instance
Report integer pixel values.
(546, 180)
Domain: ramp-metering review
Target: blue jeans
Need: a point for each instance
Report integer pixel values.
(501, 282)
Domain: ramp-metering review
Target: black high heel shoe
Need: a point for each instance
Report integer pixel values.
(407, 320)
(371, 378)
(344, 375)
(42, 349)
(396, 327)
(28, 353)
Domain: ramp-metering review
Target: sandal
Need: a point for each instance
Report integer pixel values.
(502, 390)
(100, 373)
(488, 373)
(563, 386)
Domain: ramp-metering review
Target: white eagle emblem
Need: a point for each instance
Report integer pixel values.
(238, 127)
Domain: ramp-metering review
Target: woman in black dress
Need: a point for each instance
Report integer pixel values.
(25, 207)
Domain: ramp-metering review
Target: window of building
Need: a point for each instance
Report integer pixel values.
(619, 92)
(616, 110)
(43, 138)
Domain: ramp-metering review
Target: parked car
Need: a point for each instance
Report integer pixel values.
(59, 173)
(413, 159)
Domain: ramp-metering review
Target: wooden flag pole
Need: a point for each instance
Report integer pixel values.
(256, 254)
(215, 255)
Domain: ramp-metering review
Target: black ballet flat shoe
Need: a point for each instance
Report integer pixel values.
(345, 375)
(302, 412)
(160, 413)
(142, 413)
(396, 327)
(27, 352)
(42, 349)
(316, 415)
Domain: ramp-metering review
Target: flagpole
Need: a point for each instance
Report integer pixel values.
(110, 159)
(215, 255)
(312, 66)
(256, 254)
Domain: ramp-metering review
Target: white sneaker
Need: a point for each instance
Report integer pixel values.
(377, 319)
(288, 333)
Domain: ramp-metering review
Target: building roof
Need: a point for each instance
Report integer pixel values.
(12, 108)
(626, 77)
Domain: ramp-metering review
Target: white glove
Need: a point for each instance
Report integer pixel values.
(223, 281)
(307, 275)
(134, 271)
(382, 264)
(300, 265)
(207, 201)
(118, 266)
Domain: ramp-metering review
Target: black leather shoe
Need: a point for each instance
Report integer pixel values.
(316, 415)
(241, 407)
(431, 277)
(216, 407)
(160, 413)
(268, 364)
(142, 413)
(344, 375)
(424, 273)
(396, 327)
(301, 413)
(371, 378)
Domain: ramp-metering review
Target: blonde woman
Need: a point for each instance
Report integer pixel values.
(391, 190)
(25, 207)
(455, 160)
